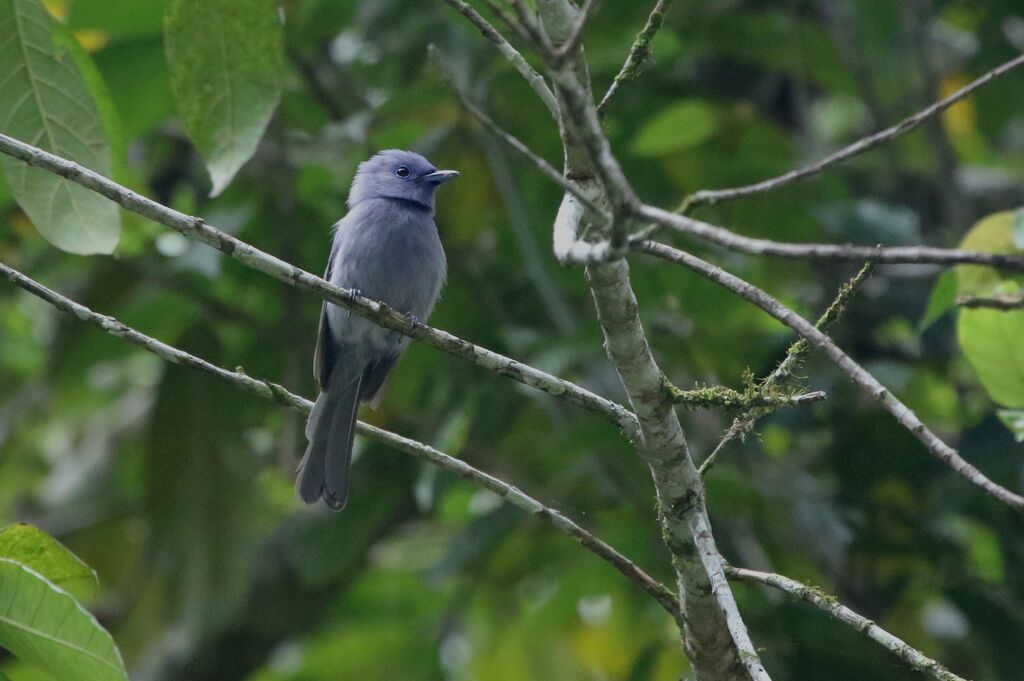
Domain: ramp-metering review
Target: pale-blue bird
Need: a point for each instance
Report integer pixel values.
(387, 248)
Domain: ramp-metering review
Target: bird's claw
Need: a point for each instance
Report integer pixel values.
(414, 322)
(353, 293)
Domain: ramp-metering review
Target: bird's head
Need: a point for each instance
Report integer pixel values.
(397, 174)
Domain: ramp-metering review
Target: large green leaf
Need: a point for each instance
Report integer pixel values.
(225, 58)
(992, 341)
(45, 101)
(37, 550)
(44, 626)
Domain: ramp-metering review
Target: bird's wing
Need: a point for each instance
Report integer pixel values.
(326, 351)
(375, 379)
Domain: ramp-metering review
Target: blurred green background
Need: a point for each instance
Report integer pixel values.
(177, 489)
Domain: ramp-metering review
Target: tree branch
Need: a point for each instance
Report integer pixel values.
(375, 311)
(754, 397)
(639, 52)
(919, 255)
(532, 77)
(575, 38)
(898, 647)
(715, 636)
(569, 249)
(1005, 301)
(857, 374)
(511, 140)
(794, 358)
(860, 146)
(277, 393)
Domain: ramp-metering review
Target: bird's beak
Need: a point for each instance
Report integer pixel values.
(441, 176)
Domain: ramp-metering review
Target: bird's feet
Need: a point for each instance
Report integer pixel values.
(414, 321)
(353, 293)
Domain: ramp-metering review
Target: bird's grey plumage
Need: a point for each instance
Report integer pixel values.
(388, 249)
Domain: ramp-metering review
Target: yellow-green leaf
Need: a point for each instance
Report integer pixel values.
(44, 626)
(37, 550)
(225, 59)
(992, 341)
(993, 234)
(45, 101)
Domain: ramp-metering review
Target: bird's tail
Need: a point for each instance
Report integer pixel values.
(324, 470)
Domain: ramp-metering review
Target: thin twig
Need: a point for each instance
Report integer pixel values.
(727, 398)
(794, 357)
(532, 29)
(897, 646)
(576, 34)
(512, 141)
(277, 393)
(639, 53)
(706, 196)
(920, 255)
(866, 381)
(375, 311)
(1005, 302)
(530, 74)
(578, 251)
(508, 20)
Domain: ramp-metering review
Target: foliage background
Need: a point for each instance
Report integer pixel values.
(177, 489)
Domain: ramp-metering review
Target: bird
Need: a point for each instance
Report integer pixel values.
(386, 248)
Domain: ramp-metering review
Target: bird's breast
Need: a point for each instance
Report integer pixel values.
(389, 254)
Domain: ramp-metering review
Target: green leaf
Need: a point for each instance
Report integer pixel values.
(941, 301)
(46, 102)
(1014, 420)
(993, 234)
(991, 340)
(44, 626)
(37, 550)
(1018, 229)
(225, 58)
(677, 128)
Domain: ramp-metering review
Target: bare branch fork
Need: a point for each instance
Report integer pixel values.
(795, 355)
(277, 393)
(861, 377)
(588, 155)
(570, 249)
(715, 636)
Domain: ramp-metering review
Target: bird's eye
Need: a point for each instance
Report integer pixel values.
(402, 171)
